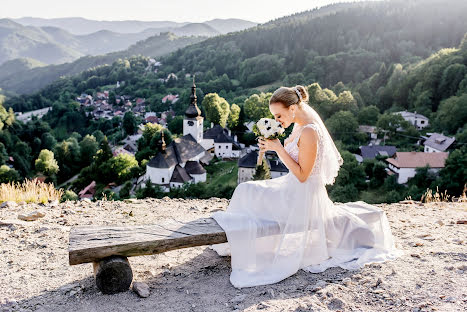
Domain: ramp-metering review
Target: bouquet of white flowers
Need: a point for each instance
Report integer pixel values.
(269, 129)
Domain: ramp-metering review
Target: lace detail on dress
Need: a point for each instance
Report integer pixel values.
(292, 148)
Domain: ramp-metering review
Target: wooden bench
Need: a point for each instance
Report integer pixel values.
(108, 247)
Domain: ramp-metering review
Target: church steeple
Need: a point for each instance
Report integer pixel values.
(193, 111)
(163, 145)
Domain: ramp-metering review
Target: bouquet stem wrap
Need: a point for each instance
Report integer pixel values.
(260, 158)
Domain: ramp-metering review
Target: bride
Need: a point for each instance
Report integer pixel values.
(276, 227)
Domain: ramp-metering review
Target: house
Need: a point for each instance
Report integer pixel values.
(371, 151)
(277, 168)
(249, 126)
(219, 141)
(131, 147)
(152, 119)
(179, 162)
(370, 131)
(27, 116)
(247, 167)
(121, 150)
(171, 76)
(404, 164)
(88, 191)
(418, 120)
(438, 143)
(171, 98)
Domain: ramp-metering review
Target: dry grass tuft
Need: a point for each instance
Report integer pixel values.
(437, 197)
(30, 191)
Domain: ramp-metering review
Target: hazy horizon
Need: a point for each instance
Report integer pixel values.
(176, 11)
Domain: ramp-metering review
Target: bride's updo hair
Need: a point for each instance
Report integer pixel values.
(290, 96)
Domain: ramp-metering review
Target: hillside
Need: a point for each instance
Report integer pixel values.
(18, 41)
(345, 43)
(225, 26)
(36, 274)
(18, 65)
(26, 81)
(196, 29)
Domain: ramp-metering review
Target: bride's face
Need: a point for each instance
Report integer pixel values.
(282, 114)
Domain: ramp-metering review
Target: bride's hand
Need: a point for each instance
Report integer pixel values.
(269, 145)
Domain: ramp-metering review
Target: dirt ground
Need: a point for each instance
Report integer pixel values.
(36, 276)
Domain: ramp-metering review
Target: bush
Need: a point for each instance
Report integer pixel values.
(69, 195)
(125, 190)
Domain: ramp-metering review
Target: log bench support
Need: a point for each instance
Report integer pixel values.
(113, 274)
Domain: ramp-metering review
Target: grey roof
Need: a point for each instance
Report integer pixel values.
(278, 166)
(371, 151)
(224, 138)
(194, 167)
(249, 160)
(165, 159)
(439, 142)
(187, 147)
(178, 151)
(131, 147)
(221, 135)
(410, 114)
(180, 175)
(213, 132)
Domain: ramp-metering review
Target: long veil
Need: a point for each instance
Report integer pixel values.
(331, 158)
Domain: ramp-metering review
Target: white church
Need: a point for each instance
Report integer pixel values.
(179, 162)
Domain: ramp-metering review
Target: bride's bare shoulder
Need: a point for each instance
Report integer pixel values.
(309, 135)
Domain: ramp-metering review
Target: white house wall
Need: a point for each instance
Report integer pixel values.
(277, 174)
(431, 150)
(224, 150)
(157, 174)
(245, 174)
(199, 177)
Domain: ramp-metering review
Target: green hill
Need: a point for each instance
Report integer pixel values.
(345, 43)
(18, 65)
(29, 81)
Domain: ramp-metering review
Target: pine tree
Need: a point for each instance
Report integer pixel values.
(262, 171)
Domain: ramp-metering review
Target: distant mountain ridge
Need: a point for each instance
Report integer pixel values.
(51, 44)
(83, 26)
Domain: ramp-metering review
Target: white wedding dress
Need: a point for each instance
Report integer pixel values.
(276, 227)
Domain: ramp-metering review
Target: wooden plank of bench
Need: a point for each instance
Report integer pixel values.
(92, 243)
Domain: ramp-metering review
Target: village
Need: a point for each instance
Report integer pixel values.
(182, 161)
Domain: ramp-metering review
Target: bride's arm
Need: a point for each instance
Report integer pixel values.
(306, 155)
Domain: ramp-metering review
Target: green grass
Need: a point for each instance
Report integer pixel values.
(222, 173)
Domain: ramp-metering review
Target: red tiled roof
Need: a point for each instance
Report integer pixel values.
(88, 190)
(418, 159)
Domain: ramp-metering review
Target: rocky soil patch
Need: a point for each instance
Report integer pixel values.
(35, 275)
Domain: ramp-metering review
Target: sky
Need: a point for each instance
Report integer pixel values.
(157, 10)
